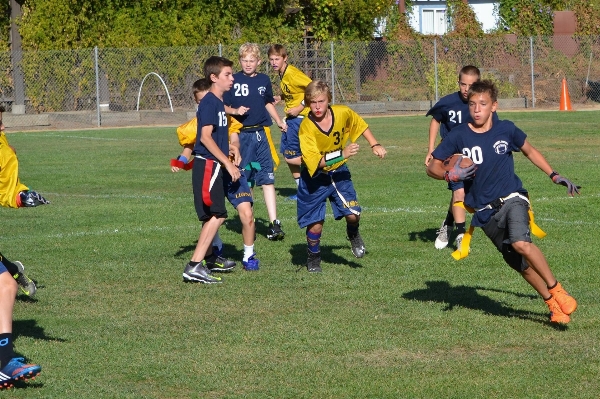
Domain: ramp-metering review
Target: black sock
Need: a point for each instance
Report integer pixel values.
(210, 258)
(460, 228)
(449, 219)
(192, 264)
(6, 349)
(11, 267)
(351, 230)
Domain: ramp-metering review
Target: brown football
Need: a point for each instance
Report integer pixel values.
(449, 163)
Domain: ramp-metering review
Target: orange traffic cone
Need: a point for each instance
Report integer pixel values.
(565, 100)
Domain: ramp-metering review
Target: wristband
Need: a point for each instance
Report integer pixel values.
(375, 145)
(182, 159)
(331, 158)
(553, 174)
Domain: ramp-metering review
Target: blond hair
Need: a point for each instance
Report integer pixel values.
(315, 89)
(250, 49)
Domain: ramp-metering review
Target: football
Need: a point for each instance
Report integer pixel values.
(449, 163)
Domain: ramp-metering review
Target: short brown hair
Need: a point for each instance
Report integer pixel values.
(214, 65)
(201, 85)
(483, 86)
(277, 49)
(469, 70)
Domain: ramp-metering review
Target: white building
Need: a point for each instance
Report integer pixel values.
(429, 17)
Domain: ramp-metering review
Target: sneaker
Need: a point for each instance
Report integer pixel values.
(358, 246)
(199, 273)
(441, 241)
(251, 264)
(16, 370)
(567, 303)
(275, 233)
(556, 314)
(459, 239)
(31, 198)
(313, 264)
(220, 264)
(292, 198)
(26, 285)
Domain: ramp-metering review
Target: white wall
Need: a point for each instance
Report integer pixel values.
(422, 10)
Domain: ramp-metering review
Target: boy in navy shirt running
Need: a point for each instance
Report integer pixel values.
(496, 194)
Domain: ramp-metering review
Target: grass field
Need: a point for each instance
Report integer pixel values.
(113, 319)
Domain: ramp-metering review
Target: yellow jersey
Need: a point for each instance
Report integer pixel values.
(315, 143)
(293, 84)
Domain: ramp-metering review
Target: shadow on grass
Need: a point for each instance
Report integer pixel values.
(185, 252)
(468, 297)
(285, 192)
(428, 235)
(299, 255)
(30, 328)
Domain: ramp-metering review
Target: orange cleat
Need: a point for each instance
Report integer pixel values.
(556, 314)
(567, 303)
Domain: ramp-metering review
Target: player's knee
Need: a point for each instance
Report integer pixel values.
(352, 219)
(522, 247)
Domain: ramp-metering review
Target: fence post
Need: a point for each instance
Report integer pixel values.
(332, 75)
(97, 85)
(435, 69)
(220, 50)
(532, 77)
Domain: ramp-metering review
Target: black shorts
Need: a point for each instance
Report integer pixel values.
(201, 190)
(509, 225)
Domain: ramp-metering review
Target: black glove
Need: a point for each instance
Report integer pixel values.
(459, 174)
(571, 188)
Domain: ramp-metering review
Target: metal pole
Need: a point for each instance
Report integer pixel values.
(435, 70)
(532, 77)
(220, 50)
(332, 77)
(16, 52)
(97, 85)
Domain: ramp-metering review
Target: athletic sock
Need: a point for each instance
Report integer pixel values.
(192, 264)
(460, 228)
(217, 242)
(297, 182)
(248, 252)
(449, 221)
(6, 349)
(11, 267)
(210, 258)
(314, 241)
(351, 230)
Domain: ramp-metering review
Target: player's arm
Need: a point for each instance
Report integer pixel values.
(434, 127)
(273, 112)
(540, 161)
(234, 148)
(435, 169)
(184, 157)
(295, 111)
(377, 148)
(212, 147)
(236, 111)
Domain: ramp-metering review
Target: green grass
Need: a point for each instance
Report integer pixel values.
(112, 318)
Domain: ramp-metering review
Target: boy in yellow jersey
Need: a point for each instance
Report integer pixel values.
(323, 135)
(14, 194)
(293, 83)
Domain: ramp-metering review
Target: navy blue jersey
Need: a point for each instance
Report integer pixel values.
(212, 112)
(252, 92)
(492, 152)
(451, 111)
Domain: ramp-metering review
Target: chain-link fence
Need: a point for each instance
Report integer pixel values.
(107, 87)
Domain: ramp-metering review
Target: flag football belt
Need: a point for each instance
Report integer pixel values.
(209, 178)
(251, 128)
(181, 165)
(330, 174)
(463, 251)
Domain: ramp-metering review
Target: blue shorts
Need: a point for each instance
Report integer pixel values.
(2, 268)
(237, 192)
(290, 143)
(256, 157)
(456, 185)
(314, 192)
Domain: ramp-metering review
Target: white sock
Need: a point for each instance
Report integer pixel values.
(297, 182)
(217, 242)
(248, 252)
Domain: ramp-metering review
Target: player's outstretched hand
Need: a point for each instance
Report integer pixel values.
(563, 181)
(350, 150)
(379, 150)
(457, 173)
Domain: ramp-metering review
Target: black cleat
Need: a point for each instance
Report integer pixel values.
(199, 274)
(275, 233)
(358, 246)
(313, 263)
